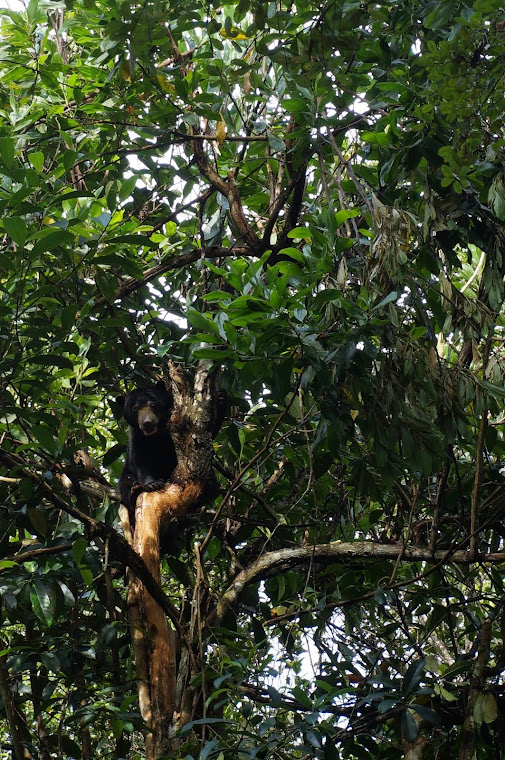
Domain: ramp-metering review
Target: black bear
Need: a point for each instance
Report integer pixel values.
(150, 456)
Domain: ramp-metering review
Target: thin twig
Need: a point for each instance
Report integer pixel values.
(479, 466)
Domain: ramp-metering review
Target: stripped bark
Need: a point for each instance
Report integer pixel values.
(156, 644)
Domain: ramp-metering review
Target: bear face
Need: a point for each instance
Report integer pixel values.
(147, 409)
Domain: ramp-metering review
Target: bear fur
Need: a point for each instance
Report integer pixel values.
(150, 456)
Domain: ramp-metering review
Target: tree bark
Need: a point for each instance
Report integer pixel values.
(156, 644)
(272, 563)
(467, 740)
(36, 687)
(415, 750)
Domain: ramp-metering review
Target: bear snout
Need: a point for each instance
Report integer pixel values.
(148, 422)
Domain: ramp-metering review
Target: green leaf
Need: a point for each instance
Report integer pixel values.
(485, 708)
(202, 322)
(216, 354)
(344, 214)
(300, 232)
(7, 152)
(70, 747)
(38, 521)
(301, 696)
(377, 138)
(447, 695)
(117, 728)
(69, 158)
(330, 750)
(495, 390)
(214, 548)
(86, 575)
(78, 549)
(42, 602)
(487, 6)
(490, 712)
(295, 105)
(126, 187)
(51, 661)
(68, 596)
(5, 564)
(113, 454)
(440, 15)
(409, 727)
(36, 158)
(293, 253)
(54, 360)
(386, 705)
(191, 118)
(203, 722)
(413, 676)
(393, 296)
(45, 436)
(427, 714)
(277, 145)
(51, 240)
(15, 227)
(314, 738)
(275, 695)
(141, 240)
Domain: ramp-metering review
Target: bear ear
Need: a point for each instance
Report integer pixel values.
(120, 400)
(161, 385)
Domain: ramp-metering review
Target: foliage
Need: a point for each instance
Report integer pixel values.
(311, 196)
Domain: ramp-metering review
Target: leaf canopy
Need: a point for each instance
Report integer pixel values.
(311, 197)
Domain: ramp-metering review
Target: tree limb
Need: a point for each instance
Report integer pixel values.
(175, 262)
(118, 546)
(41, 551)
(274, 562)
(229, 189)
(476, 683)
(280, 202)
(479, 464)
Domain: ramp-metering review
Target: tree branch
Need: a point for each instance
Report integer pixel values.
(479, 464)
(41, 551)
(476, 684)
(176, 262)
(229, 189)
(280, 202)
(120, 548)
(284, 559)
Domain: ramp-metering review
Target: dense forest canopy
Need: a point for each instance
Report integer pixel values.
(310, 197)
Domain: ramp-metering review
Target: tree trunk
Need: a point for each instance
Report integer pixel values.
(156, 644)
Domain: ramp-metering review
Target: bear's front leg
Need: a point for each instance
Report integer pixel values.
(138, 488)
